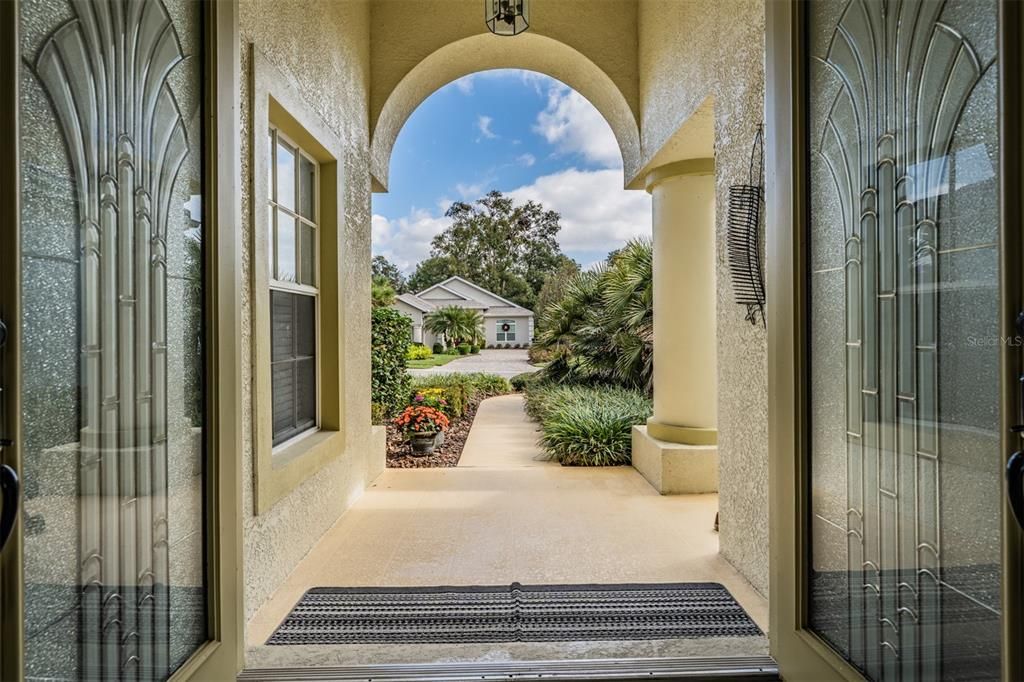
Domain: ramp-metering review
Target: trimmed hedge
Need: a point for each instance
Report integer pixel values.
(390, 333)
(587, 425)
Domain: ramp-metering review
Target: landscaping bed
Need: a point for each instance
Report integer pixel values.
(462, 394)
(585, 425)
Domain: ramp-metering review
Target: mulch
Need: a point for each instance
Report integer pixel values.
(447, 455)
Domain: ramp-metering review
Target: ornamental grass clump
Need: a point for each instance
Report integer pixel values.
(587, 425)
(421, 419)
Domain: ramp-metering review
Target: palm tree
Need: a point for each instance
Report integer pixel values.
(382, 294)
(454, 324)
(602, 330)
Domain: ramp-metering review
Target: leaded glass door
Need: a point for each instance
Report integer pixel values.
(903, 546)
(106, 421)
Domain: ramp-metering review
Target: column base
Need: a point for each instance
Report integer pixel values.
(685, 435)
(675, 468)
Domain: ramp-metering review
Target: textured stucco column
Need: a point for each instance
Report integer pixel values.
(677, 450)
(685, 391)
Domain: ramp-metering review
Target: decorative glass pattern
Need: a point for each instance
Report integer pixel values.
(904, 386)
(112, 262)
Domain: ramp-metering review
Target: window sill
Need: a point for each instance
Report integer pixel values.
(291, 465)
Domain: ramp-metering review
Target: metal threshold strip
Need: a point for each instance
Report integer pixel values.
(717, 668)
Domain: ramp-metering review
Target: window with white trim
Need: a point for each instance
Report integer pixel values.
(293, 250)
(506, 330)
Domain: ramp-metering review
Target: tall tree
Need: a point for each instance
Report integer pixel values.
(382, 294)
(431, 271)
(382, 267)
(554, 287)
(504, 247)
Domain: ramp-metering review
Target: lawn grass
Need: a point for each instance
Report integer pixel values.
(432, 361)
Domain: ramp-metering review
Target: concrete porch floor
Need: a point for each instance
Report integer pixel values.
(503, 515)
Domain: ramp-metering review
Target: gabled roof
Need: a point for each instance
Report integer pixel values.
(441, 286)
(463, 301)
(416, 302)
(456, 278)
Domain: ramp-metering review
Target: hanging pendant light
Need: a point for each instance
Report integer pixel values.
(507, 17)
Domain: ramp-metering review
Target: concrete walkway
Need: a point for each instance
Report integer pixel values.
(503, 436)
(505, 514)
(504, 363)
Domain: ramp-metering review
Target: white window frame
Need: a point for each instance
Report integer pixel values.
(502, 336)
(295, 287)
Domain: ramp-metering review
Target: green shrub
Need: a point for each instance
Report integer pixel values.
(458, 389)
(474, 349)
(521, 381)
(539, 355)
(438, 349)
(418, 351)
(587, 425)
(378, 414)
(390, 332)
(463, 348)
(456, 395)
(602, 328)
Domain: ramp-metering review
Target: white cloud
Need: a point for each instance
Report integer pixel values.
(597, 214)
(464, 84)
(406, 241)
(483, 123)
(538, 80)
(526, 160)
(574, 126)
(470, 192)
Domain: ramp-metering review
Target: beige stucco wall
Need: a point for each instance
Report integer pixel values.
(590, 46)
(523, 329)
(690, 51)
(689, 72)
(313, 43)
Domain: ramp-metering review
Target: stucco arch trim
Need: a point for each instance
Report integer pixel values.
(484, 52)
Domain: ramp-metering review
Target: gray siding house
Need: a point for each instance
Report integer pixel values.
(504, 321)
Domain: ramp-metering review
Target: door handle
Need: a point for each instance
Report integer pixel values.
(1015, 485)
(11, 489)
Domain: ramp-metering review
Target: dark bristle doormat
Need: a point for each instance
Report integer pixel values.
(513, 613)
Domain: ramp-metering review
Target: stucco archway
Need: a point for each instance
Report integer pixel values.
(484, 52)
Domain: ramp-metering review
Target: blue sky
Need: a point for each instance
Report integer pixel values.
(518, 132)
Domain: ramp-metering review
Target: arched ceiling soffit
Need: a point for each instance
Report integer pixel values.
(484, 52)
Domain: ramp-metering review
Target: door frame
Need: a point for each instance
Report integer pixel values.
(221, 656)
(800, 653)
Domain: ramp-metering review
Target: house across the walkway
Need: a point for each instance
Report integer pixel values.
(505, 323)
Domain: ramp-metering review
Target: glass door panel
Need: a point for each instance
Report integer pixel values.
(111, 269)
(904, 336)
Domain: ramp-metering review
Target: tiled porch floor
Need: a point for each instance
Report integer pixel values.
(504, 516)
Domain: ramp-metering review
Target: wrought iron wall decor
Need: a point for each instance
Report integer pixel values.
(743, 238)
(106, 74)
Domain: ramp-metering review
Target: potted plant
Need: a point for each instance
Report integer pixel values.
(433, 397)
(421, 425)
